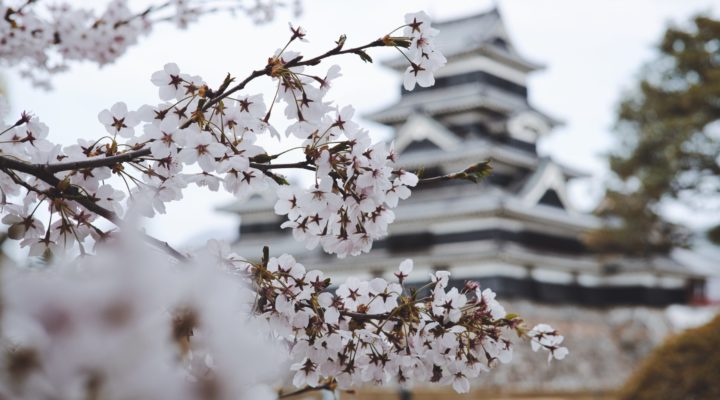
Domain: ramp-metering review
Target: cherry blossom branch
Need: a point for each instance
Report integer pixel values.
(270, 68)
(381, 328)
(99, 37)
(44, 171)
(206, 139)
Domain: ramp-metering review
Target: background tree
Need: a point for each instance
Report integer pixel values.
(670, 138)
(684, 367)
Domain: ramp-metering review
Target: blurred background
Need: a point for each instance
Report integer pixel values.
(601, 121)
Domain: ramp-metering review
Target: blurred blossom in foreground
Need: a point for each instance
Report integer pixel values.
(119, 325)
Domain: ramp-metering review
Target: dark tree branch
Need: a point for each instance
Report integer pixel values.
(72, 193)
(365, 317)
(97, 161)
(298, 165)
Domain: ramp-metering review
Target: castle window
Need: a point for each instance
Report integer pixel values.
(500, 42)
(551, 198)
(481, 77)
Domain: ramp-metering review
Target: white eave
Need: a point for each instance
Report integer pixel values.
(482, 252)
(454, 207)
(420, 127)
(450, 99)
(475, 150)
(467, 97)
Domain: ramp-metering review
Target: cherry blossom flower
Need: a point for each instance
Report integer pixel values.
(169, 82)
(404, 270)
(449, 305)
(424, 58)
(118, 120)
(545, 337)
(166, 137)
(201, 148)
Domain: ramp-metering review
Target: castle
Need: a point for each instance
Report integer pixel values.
(517, 232)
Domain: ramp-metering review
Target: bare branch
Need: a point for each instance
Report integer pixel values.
(474, 173)
(165, 246)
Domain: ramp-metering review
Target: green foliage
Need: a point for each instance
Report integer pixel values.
(684, 367)
(713, 235)
(476, 172)
(642, 232)
(670, 137)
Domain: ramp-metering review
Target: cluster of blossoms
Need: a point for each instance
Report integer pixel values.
(93, 328)
(42, 39)
(378, 331)
(423, 57)
(356, 183)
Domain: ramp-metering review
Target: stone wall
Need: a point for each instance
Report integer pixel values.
(605, 345)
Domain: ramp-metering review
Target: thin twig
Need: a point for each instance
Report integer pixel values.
(442, 178)
(297, 62)
(474, 173)
(165, 246)
(306, 389)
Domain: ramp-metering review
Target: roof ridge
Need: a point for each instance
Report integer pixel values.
(493, 10)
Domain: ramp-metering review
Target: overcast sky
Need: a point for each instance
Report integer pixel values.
(592, 50)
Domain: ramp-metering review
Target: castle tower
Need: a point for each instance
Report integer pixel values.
(516, 232)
